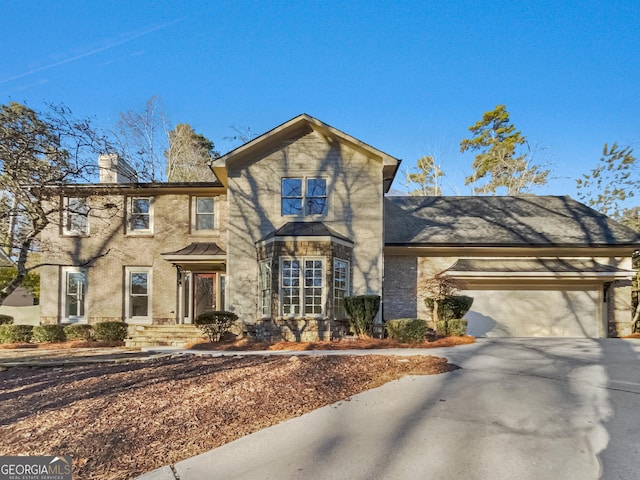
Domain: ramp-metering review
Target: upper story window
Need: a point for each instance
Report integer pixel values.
(204, 217)
(140, 214)
(304, 196)
(75, 219)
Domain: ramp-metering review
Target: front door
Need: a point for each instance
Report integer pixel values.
(202, 292)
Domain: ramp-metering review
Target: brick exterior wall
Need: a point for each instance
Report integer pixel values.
(106, 276)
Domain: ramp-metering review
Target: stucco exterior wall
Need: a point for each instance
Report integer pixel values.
(354, 185)
(115, 249)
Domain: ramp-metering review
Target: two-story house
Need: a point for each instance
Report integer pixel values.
(297, 219)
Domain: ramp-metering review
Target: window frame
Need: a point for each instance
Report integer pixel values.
(264, 288)
(67, 318)
(128, 304)
(130, 215)
(339, 311)
(195, 213)
(299, 310)
(304, 197)
(68, 215)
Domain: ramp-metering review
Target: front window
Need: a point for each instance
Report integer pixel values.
(75, 281)
(264, 282)
(304, 196)
(302, 286)
(138, 293)
(140, 215)
(204, 215)
(76, 216)
(340, 287)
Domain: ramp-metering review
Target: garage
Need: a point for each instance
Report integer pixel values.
(543, 297)
(535, 313)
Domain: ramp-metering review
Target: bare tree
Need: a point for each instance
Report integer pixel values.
(41, 154)
(142, 139)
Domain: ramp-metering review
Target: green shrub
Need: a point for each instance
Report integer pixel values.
(6, 319)
(79, 331)
(362, 310)
(452, 307)
(48, 333)
(15, 333)
(407, 330)
(110, 331)
(451, 328)
(215, 324)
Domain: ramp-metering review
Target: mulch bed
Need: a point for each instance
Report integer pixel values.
(121, 420)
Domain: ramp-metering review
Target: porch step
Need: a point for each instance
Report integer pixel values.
(163, 335)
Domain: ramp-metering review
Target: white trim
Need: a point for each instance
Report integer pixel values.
(194, 215)
(65, 318)
(140, 231)
(66, 214)
(304, 179)
(265, 309)
(127, 295)
(347, 284)
(301, 287)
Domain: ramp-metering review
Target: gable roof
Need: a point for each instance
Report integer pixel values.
(294, 128)
(501, 221)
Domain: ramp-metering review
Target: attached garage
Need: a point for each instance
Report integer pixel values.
(537, 266)
(535, 313)
(541, 297)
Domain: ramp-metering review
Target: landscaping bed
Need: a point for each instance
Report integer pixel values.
(121, 420)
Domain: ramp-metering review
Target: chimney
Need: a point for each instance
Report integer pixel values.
(114, 169)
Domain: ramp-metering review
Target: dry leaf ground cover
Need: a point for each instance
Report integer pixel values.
(121, 420)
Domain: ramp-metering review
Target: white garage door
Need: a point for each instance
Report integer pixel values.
(534, 313)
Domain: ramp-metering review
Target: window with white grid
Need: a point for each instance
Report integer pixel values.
(302, 286)
(340, 287)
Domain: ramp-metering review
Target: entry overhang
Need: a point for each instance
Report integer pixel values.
(198, 256)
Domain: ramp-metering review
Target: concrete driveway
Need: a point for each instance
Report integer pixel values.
(518, 409)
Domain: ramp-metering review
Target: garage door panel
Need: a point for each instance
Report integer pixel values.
(534, 313)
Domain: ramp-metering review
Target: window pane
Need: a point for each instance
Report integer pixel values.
(316, 206)
(204, 205)
(139, 306)
(77, 215)
(139, 283)
(140, 205)
(292, 187)
(140, 222)
(316, 187)
(291, 206)
(316, 201)
(204, 221)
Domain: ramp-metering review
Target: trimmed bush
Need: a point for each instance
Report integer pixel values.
(6, 319)
(407, 330)
(48, 333)
(15, 333)
(110, 331)
(451, 328)
(215, 324)
(362, 310)
(452, 307)
(79, 331)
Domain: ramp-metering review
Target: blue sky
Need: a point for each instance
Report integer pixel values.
(406, 77)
